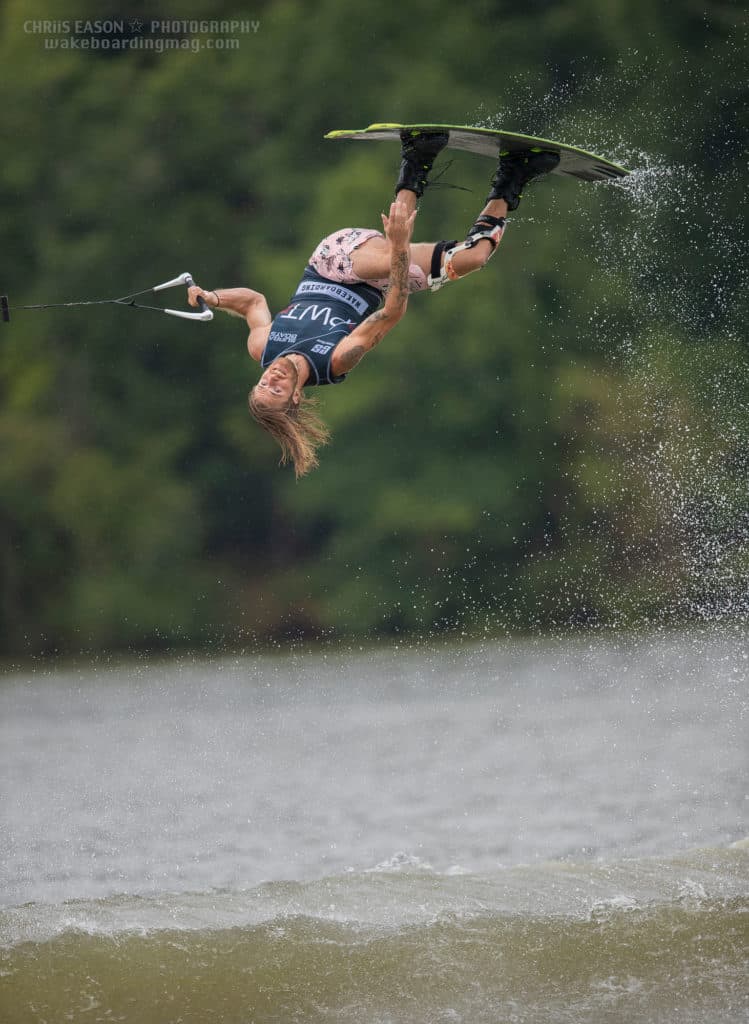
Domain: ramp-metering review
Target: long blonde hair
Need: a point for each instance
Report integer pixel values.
(297, 429)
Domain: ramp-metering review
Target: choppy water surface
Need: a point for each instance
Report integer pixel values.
(522, 831)
(175, 776)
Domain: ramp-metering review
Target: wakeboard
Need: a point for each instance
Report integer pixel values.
(577, 163)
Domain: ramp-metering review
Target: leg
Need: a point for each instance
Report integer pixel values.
(353, 255)
(448, 261)
(514, 171)
(478, 255)
(371, 261)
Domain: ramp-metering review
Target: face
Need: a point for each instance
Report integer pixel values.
(277, 387)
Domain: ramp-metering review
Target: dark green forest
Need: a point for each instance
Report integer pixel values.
(557, 441)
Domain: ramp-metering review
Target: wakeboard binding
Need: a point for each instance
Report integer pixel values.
(418, 152)
(516, 170)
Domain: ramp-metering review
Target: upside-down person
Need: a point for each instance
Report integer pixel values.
(336, 314)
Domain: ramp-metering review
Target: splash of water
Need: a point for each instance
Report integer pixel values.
(670, 324)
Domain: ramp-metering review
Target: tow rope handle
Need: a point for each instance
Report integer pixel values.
(206, 313)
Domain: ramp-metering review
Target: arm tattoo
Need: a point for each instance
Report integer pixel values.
(382, 320)
(351, 358)
(399, 276)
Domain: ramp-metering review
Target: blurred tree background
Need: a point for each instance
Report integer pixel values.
(558, 440)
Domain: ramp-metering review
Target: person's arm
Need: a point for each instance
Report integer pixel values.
(243, 302)
(398, 230)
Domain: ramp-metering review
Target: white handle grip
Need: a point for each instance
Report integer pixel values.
(182, 279)
(206, 315)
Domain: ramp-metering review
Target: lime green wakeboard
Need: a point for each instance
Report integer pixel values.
(490, 142)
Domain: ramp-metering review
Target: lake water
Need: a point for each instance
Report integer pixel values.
(521, 831)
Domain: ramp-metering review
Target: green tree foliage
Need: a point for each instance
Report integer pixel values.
(560, 438)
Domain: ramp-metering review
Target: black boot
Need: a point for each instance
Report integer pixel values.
(515, 170)
(418, 150)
